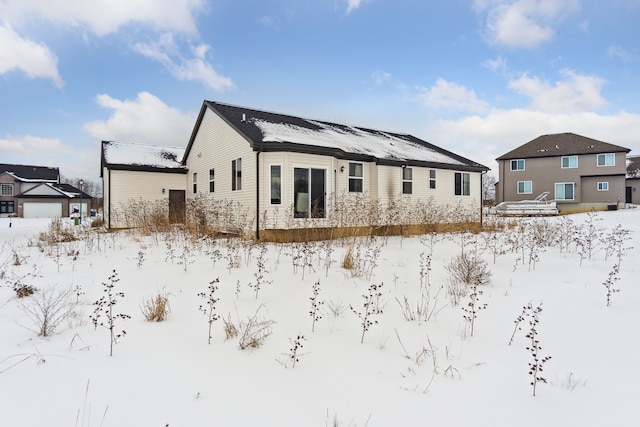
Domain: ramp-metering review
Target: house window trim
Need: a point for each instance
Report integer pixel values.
(459, 187)
(604, 156)
(271, 198)
(569, 161)
(407, 183)
(517, 163)
(555, 189)
(7, 207)
(355, 178)
(433, 179)
(236, 174)
(212, 180)
(603, 186)
(524, 187)
(3, 186)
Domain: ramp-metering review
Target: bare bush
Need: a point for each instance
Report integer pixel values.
(465, 270)
(48, 309)
(254, 331)
(156, 308)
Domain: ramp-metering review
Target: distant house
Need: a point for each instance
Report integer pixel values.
(633, 180)
(578, 172)
(287, 171)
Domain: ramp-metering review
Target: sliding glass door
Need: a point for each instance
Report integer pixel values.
(309, 193)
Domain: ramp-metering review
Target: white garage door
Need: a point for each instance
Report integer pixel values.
(41, 210)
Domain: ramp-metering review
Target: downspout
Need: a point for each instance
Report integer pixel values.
(258, 195)
(110, 185)
(482, 174)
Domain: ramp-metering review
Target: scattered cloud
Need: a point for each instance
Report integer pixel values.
(195, 68)
(618, 52)
(32, 58)
(523, 23)
(498, 64)
(145, 119)
(451, 96)
(354, 4)
(106, 17)
(575, 93)
(380, 77)
(29, 145)
(275, 20)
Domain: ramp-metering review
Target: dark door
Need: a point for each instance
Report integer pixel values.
(628, 195)
(317, 193)
(177, 206)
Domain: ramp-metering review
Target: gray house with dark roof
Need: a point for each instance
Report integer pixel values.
(18, 179)
(281, 172)
(578, 172)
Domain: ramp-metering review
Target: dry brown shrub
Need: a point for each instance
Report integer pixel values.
(156, 309)
(349, 262)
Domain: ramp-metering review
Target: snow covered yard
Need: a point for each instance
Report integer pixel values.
(429, 371)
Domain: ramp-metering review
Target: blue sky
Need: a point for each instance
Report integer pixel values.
(477, 77)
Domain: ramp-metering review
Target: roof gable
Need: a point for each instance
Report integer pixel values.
(561, 144)
(28, 173)
(266, 131)
(49, 190)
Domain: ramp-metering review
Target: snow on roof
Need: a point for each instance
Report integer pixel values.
(378, 144)
(121, 153)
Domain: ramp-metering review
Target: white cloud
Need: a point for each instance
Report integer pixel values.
(498, 64)
(105, 17)
(196, 68)
(29, 145)
(380, 77)
(354, 4)
(618, 52)
(145, 120)
(523, 23)
(449, 95)
(32, 58)
(575, 93)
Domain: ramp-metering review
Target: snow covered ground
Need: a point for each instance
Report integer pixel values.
(405, 373)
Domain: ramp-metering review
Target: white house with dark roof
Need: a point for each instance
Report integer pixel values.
(578, 172)
(285, 170)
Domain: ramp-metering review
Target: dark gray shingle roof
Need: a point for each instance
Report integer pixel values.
(31, 173)
(561, 144)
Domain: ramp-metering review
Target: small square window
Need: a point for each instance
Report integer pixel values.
(517, 165)
(569, 162)
(525, 187)
(6, 190)
(603, 186)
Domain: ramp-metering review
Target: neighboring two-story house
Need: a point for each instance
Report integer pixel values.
(580, 173)
(36, 192)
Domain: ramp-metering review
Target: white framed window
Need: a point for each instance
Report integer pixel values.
(517, 165)
(236, 174)
(565, 191)
(606, 159)
(6, 189)
(195, 182)
(462, 184)
(525, 187)
(432, 179)
(603, 186)
(355, 177)
(569, 162)
(212, 180)
(275, 178)
(407, 180)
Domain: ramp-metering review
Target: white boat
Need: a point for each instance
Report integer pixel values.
(539, 206)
